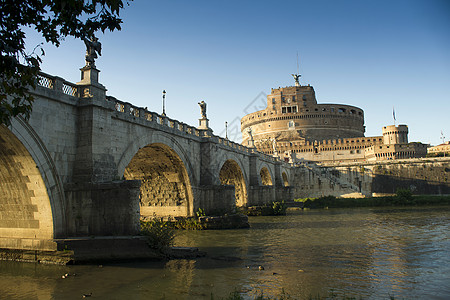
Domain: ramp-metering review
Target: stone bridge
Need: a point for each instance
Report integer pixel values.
(87, 164)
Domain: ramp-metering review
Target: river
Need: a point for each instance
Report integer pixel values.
(369, 253)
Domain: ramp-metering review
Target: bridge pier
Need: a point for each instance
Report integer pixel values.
(103, 209)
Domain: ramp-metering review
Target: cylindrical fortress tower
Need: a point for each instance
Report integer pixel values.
(395, 134)
(292, 114)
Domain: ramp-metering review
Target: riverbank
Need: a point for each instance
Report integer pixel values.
(89, 250)
(401, 199)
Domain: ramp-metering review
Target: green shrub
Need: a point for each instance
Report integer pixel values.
(275, 208)
(278, 208)
(404, 194)
(159, 233)
(200, 213)
(189, 223)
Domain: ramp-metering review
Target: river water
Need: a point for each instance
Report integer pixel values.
(367, 253)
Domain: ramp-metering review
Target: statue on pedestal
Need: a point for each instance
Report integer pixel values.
(93, 46)
(274, 146)
(203, 109)
(296, 78)
(250, 134)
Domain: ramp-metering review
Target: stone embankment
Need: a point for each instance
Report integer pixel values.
(426, 176)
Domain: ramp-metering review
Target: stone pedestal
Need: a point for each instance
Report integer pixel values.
(203, 123)
(89, 87)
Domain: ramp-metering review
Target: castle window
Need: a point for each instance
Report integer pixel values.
(282, 99)
(304, 103)
(341, 110)
(304, 97)
(293, 98)
(332, 109)
(316, 109)
(324, 109)
(283, 110)
(291, 124)
(273, 101)
(289, 109)
(294, 109)
(352, 111)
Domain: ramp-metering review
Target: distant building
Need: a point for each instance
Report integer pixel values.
(295, 127)
(442, 149)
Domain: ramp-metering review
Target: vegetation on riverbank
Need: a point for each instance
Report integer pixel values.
(402, 198)
(159, 234)
(276, 208)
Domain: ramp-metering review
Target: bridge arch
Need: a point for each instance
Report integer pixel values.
(266, 178)
(165, 173)
(231, 174)
(31, 193)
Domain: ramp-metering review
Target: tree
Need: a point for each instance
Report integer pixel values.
(54, 20)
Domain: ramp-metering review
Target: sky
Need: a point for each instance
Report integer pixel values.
(377, 55)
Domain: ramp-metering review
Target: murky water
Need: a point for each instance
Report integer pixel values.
(368, 253)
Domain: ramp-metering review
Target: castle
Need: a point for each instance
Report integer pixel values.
(296, 128)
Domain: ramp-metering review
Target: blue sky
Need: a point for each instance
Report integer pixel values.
(375, 55)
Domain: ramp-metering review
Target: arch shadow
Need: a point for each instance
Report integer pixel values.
(32, 187)
(166, 175)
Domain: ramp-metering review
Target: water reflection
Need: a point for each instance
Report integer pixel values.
(372, 253)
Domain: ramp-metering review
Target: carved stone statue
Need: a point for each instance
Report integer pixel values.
(296, 78)
(93, 46)
(250, 133)
(274, 145)
(203, 109)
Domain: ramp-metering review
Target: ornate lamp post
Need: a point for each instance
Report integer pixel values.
(164, 102)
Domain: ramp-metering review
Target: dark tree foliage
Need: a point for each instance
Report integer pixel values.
(54, 20)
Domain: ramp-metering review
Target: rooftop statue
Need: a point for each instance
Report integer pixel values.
(93, 46)
(203, 109)
(296, 78)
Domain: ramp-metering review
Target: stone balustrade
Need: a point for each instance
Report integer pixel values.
(57, 84)
(60, 85)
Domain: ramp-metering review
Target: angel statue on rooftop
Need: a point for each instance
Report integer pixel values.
(296, 78)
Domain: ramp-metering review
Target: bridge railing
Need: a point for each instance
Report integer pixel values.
(143, 113)
(243, 148)
(57, 84)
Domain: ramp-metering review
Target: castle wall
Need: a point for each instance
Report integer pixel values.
(292, 113)
(421, 176)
